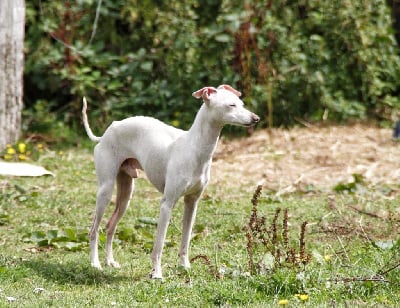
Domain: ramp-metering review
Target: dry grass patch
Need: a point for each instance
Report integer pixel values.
(289, 160)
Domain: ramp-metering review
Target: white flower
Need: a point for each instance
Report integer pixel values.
(38, 290)
(222, 270)
(11, 299)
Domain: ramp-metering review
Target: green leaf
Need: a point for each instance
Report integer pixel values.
(73, 246)
(38, 236)
(147, 66)
(4, 219)
(20, 188)
(43, 243)
(148, 221)
(358, 181)
(223, 38)
(342, 187)
(70, 234)
(113, 85)
(126, 234)
(146, 234)
(52, 234)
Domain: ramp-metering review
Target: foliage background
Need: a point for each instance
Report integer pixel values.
(313, 59)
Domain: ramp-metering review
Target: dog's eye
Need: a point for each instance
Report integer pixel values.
(232, 105)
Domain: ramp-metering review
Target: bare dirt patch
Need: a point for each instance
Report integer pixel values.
(285, 160)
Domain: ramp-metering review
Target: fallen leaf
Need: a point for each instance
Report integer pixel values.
(22, 169)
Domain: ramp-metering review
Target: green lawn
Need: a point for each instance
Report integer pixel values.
(351, 240)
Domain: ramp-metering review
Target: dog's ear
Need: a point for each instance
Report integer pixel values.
(204, 93)
(229, 88)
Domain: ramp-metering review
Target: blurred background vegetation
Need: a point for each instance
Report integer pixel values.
(291, 59)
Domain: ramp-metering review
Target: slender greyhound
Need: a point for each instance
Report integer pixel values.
(176, 162)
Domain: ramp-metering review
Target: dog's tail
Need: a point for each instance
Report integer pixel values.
(86, 123)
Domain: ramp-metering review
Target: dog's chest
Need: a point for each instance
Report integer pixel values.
(199, 178)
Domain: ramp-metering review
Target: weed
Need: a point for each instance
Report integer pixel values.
(207, 261)
(269, 248)
(353, 186)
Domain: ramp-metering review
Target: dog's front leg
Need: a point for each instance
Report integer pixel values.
(189, 216)
(162, 226)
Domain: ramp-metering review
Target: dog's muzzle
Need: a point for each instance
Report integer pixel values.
(254, 119)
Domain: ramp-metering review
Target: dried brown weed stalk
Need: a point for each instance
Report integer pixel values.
(206, 260)
(273, 240)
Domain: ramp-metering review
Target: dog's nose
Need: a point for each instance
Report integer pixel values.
(255, 118)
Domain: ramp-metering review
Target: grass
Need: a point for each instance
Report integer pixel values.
(351, 236)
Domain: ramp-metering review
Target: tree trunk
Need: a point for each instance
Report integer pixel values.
(12, 24)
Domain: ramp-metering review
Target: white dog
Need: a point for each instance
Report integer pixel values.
(176, 162)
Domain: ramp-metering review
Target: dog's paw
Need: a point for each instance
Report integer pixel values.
(156, 275)
(185, 263)
(113, 264)
(97, 265)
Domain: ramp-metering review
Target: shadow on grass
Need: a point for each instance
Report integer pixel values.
(72, 273)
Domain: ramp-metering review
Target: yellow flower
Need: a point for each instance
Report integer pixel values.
(61, 153)
(40, 147)
(175, 123)
(8, 157)
(22, 157)
(327, 258)
(303, 297)
(22, 147)
(283, 302)
(10, 151)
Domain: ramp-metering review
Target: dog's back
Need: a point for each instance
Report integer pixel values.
(145, 139)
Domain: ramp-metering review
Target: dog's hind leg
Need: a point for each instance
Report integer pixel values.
(125, 185)
(103, 198)
(106, 175)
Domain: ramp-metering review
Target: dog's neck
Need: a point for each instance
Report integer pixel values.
(205, 132)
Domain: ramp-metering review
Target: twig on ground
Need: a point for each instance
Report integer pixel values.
(207, 262)
(366, 213)
(377, 278)
(389, 270)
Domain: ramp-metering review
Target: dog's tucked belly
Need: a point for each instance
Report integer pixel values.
(130, 166)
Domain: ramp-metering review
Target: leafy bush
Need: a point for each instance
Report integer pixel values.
(291, 59)
(317, 58)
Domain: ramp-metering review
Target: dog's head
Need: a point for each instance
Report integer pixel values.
(225, 106)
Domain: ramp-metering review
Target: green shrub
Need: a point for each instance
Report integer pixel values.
(312, 59)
